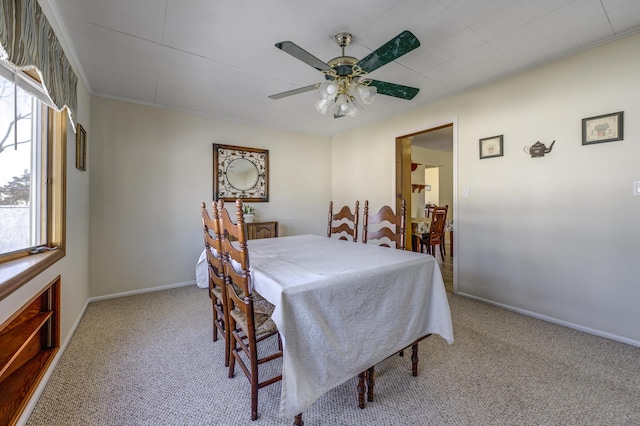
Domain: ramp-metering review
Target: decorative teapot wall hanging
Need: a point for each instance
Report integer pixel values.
(538, 149)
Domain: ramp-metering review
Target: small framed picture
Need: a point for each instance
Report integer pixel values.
(603, 128)
(81, 148)
(491, 147)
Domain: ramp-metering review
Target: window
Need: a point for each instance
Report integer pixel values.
(21, 149)
(32, 174)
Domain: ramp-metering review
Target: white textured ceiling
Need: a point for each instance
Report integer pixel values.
(218, 57)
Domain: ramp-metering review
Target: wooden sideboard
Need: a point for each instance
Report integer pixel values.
(257, 230)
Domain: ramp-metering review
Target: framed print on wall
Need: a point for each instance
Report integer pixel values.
(491, 147)
(603, 128)
(81, 148)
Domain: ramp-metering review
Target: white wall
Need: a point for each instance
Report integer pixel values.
(363, 167)
(417, 197)
(152, 167)
(432, 178)
(444, 161)
(556, 237)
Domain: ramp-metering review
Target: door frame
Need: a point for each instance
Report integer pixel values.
(403, 183)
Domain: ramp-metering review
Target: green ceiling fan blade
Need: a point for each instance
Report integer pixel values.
(294, 91)
(301, 54)
(400, 45)
(395, 90)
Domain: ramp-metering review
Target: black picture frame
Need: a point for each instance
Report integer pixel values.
(492, 147)
(81, 148)
(603, 128)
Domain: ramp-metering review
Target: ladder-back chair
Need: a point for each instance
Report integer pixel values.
(386, 232)
(248, 327)
(388, 227)
(344, 223)
(436, 231)
(215, 272)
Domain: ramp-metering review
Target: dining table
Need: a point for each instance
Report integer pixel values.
(342, 307)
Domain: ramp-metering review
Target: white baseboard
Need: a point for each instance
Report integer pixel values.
(144, 290)
(553, 320)
(26, 413)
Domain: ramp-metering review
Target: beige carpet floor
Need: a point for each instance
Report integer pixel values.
(149, 360)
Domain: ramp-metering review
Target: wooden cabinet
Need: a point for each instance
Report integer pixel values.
(257, 230)
(28, 342)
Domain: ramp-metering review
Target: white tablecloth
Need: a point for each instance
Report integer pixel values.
(202, 271)
(342, 307)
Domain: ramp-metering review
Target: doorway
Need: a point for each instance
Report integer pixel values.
(425, 175)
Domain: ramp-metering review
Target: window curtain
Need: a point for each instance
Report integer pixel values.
(29, 43)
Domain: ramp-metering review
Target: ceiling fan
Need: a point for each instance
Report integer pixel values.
(346, 87)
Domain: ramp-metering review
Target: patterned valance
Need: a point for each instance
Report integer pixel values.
(30, 44)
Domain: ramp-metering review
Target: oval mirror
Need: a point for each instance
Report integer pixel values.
(242, 174)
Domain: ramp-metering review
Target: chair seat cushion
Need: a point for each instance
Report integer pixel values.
(262, 305)
(262, 322)
(217, 293)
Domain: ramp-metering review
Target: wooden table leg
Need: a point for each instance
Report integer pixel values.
(371, 382)
(415, 243)
(361, 388)
(414, 359)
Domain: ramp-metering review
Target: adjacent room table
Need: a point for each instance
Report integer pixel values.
(420, 227)
(342, 307)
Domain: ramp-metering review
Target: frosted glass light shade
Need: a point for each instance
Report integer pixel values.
(328, 89)
(366, 94)
(324, 104)
(344, 100)
(345, 106)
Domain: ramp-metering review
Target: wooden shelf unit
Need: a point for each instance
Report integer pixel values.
(29, 340)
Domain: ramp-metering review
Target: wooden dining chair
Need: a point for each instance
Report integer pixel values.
(385, 227)
(344, 223)
(261, 305)
(248, 327)
(435, 237)
(428, 210)
(215, 272)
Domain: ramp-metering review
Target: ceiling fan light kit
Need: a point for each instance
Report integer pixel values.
(344, 96)
(346, 89)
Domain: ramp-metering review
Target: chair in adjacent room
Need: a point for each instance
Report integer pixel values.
(428, 210)
(247, 324)
(215, 272)
(435, 237)
(344, 223)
